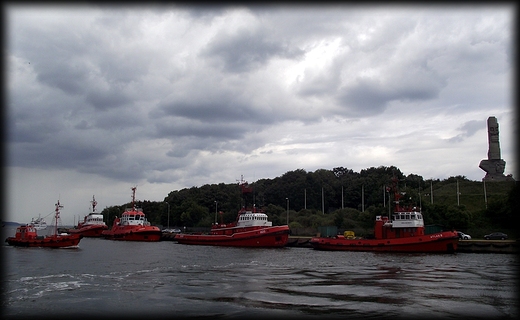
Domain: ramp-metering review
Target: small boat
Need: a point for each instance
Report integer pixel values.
(403, 233)
(132, 226)
(38, 223)
(251, 229)
(92, 225)
(27, 236)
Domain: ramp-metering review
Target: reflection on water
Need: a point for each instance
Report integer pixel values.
(104, 277)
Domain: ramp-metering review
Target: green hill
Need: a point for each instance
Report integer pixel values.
(343, 198)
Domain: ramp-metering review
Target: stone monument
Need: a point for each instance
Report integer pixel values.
(494, 165)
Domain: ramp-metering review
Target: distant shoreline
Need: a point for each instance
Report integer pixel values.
(9, 223)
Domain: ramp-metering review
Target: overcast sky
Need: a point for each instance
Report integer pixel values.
(101, 99)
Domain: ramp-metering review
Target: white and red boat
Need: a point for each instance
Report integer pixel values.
(38, 223)
(251, 229)
(92, 225)
(27, 236)
(403, 233)
(132, 226)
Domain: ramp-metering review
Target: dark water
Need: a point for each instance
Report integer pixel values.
(165, 279)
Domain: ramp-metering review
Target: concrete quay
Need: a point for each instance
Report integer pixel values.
(488, 246)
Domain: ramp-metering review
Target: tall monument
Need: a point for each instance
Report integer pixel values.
(494, 165)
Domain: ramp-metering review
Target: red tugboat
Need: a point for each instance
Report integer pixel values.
(251, 229)
(404, 233)
(26, 236)
(132, 226)
(92, 224)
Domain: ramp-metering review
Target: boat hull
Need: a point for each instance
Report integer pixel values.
(142, 234)
(89, 231)
(60, 241)
(442, 242)
(269, 237)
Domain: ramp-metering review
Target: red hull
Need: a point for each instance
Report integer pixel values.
(442, 242)
(90, 231)
(133, 234)
(59, 241)
(269, 237)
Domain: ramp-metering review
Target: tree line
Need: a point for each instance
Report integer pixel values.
(340, 197)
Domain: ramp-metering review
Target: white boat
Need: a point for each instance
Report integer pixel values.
(38, 223)
(92, 224)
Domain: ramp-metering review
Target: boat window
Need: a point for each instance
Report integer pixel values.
(407, 216)
(419, 216)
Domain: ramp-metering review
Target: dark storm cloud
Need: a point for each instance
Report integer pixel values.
(246, 50)
(215, 111)
(179, 127)
(107, 99)
(408, 82)
(468, 129)
(56, 151)
(62, 77)
(365, 98)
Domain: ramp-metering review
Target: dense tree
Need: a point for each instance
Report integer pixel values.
(340, 197)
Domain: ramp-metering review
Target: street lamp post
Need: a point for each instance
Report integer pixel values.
(168, 213)
(287, 210)
(216, 202)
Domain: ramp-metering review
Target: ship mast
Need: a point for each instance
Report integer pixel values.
(133, 198)
(57, 216)
(94, 203)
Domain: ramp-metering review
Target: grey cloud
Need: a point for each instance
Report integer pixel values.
(219, 110)
(248, 50)
(56, 151)
(22, 133)
(179, 127)
(469, 129)
(404, 82)
(103, 100)
(365, 98)
(62, 77)
(83, 125)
